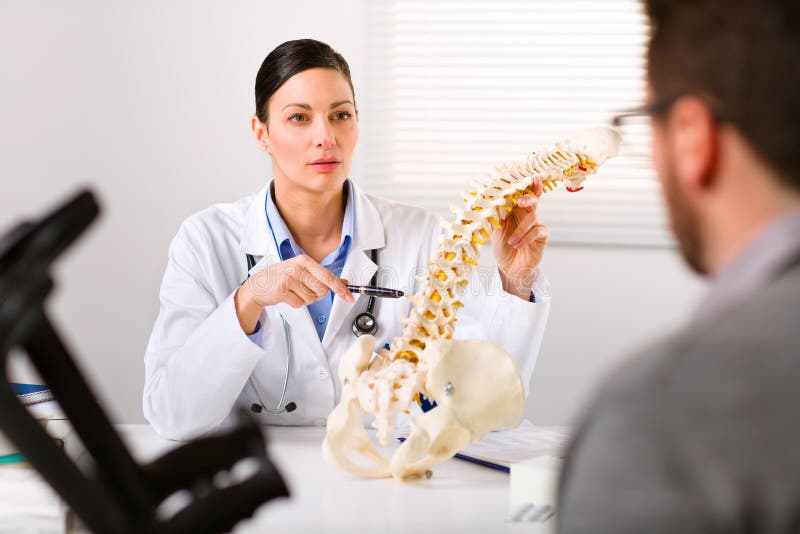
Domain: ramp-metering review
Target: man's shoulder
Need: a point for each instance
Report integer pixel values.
(694, 412)
(760, 331)
(739, 348)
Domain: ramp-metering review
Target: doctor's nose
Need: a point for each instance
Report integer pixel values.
(324, 137)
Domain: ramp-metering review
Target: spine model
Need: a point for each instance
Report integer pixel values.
(395, 379)
(485, 206)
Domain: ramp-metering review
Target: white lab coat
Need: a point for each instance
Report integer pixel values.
(198, 359)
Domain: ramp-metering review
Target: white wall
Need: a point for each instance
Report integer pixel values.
(607, 303)
(149, 103)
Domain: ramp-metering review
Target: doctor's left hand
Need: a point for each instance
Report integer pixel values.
(519, 244)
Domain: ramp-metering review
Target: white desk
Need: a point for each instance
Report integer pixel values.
(460, 497)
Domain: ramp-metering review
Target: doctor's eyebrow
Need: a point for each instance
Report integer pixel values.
(340, 102)
(308, 106)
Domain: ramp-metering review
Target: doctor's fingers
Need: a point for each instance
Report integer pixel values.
(538, 186)
(293, 299)
(307, 293)
(277, 282)
(539, 233)
(530, 201)
(527, 221)
(329, 280)
(296, 295)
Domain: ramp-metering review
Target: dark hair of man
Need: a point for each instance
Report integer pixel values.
(287, 60)
(742, 55)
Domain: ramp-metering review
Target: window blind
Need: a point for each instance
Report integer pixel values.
(455, 87)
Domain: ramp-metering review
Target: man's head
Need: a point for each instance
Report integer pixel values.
(728, 69)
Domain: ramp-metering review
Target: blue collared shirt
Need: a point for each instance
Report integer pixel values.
(334, 262)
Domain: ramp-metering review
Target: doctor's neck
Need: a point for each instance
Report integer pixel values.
(314, 218)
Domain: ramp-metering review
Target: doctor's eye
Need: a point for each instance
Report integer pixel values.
(298, 117)
(342, 115)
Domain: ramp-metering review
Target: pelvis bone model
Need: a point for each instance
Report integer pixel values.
(476, 385)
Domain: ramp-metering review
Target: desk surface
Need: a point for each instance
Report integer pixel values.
(460, 497)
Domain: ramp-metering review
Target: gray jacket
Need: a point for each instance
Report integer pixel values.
(701, 433)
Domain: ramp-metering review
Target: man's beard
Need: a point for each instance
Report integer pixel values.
(684, 222)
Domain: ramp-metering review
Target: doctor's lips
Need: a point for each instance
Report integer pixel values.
(325, 164)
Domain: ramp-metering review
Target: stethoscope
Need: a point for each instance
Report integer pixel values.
(364, 323)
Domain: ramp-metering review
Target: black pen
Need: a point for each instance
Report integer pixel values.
(376, 291)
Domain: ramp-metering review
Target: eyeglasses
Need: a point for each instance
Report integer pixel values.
(636, 128)
(661, 105)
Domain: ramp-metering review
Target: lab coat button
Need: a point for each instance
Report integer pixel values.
(323, 374)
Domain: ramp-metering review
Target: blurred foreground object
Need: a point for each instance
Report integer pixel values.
(113, 493)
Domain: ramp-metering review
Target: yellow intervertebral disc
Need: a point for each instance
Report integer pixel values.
(417, 343)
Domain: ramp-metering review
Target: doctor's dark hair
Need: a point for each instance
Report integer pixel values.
(742, 56)
(289, 59)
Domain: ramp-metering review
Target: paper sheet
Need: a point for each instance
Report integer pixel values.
(518, 444)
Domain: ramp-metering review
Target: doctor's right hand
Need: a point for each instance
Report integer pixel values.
(298, 281)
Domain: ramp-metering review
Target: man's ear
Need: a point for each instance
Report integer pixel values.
(694, 143)
(260, 133)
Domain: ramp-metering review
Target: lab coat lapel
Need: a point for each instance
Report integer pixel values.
(358, 268)
(301, 330)
(257, 240)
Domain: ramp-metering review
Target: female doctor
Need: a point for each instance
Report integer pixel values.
(254, 309)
